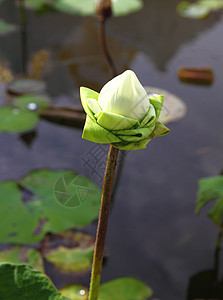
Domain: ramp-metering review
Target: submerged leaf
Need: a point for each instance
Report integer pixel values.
(71, 260)
(6, 28)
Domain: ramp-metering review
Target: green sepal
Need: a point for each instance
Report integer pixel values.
(160, 130)
(113, 121)
(85, 94)
(123, 133)
(95, 133)
(132, 146)
(157, 102)
(134, 135)
(149, 118)
(93, 105)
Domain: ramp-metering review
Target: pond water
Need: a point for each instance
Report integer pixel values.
(153, 234)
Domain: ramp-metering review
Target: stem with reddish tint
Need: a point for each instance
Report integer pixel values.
(103, 222)
(107, 186)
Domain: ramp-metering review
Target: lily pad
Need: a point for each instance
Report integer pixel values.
(37, 4)
(174, 109)
(212, 4)
(6, 28)
(15, 120)
(124, 7)
(71, 260)
(119, 289)
(19, 254)
(23, 282)
(124, 289)
(85, 7)
(26, 86)
(75, 292)
(31, 102)
(69, 239)
(28, 213)
(211, 188)
(193, 10)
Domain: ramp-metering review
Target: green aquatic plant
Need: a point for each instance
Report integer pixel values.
(199, 9)
(122, 114)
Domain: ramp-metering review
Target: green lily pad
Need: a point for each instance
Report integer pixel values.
(174, 109)
(31, 102)
(124, 289)
(124, 7)
(23, 282)
(211, 188)
(212, 4)
(85, 7)
(37, 4)
(193, 10)
(19, 254)
(26, 86)
(15, 120)
(29, 213)
(71, 260)
(6, 28)
(75, 292)
(119, 289)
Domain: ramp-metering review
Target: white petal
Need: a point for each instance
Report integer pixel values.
(124, 95)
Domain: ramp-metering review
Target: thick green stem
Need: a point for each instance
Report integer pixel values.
(103, 222)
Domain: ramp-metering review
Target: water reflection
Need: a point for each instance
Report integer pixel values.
(158, 31)
(207, 283)
(92, 69)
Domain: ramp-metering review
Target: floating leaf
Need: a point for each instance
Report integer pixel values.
(19, 254)
(6, 27)
(124, 289)
(31, 102)
(192, 10)
(15, 120)
(67, 239)
(75, 292)
(41, 206)
(173, 109)
(212, 4)
(26, 86)
(211, 188)
(124, 7)
(86, 7)
(37, 4)
(71, 260)
(119, 289)
(23, 282)
(83, 7)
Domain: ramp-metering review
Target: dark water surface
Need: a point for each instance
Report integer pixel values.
(153, 233)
